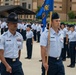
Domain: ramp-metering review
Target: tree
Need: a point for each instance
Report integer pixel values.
(38, 8)
(71, 15)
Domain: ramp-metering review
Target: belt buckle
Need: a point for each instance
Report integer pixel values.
(57, 58)
(13, 60)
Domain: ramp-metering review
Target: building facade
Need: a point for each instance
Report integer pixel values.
(25, 3)
(63, 7)
(60, 6)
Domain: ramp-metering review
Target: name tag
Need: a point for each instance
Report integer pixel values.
(19, 40)
(8, 40)
(19, 43)
(52, 37)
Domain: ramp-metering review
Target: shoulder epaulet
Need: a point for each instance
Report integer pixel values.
(18, 33)
(5, 33)
(47, 31)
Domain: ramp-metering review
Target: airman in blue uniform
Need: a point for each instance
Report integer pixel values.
(72, 43)
(38, 32)
(0, 67)
(4, 27)
(63, 54)
(34, 28)
(67, 41)
(29, 41)
(54, 65)
(10, 48)
(43, 69)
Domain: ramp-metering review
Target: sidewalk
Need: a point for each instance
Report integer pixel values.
(33, 66)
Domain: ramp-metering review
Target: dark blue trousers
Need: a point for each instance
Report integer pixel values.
(72, 52)
(29, 47)
(34, 35)
(75, 56)
(38, 36)
(67, 49)
(63, 54)
(0, 67)
(18, 30)
(55, 67)
(43, 70)
(24, 34)
(16, 67)
(2, 31)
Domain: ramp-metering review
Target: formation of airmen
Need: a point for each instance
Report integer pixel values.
(11, 43)
(21, 28)
(62, 39)
(33, 31)
(12, 39)
(69, 49)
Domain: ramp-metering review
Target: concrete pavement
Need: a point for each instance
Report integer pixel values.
(33, 66)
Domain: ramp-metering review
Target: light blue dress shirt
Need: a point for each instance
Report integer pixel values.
(38, 28)
(56, 42)
(72, 36)
(11, 44)
(29, 34)
(65, 30)
(68, 32)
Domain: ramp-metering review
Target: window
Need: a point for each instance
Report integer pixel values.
(6, 3)
(30, 16)
(70, 0)
(70, 8)
(27, 16)
(34, 16)
(24, 5)
(55, 6)
(6, 0)
(21, 16)
(29, 6)
(60, 7)
(24, 16)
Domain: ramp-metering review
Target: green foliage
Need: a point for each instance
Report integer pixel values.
(68, 22)
(71, 15)
(38, 8)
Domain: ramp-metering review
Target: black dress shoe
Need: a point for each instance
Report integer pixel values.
(72, 66)
(67, 57)
(63, 59)
(26, 57)
(40, 60)
(29, 58)
(69, 66)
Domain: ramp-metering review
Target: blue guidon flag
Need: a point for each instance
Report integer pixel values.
(45, 9)
(48, 5)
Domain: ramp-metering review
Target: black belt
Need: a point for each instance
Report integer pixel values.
(11, 59)
(57, 58)
(29, 38)
(72, 41)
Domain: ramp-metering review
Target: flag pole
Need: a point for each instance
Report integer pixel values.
(49, 34)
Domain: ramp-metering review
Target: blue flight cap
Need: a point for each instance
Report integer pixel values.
(29, 26)
(55, 16)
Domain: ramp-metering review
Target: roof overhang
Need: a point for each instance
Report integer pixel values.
(17, 9)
